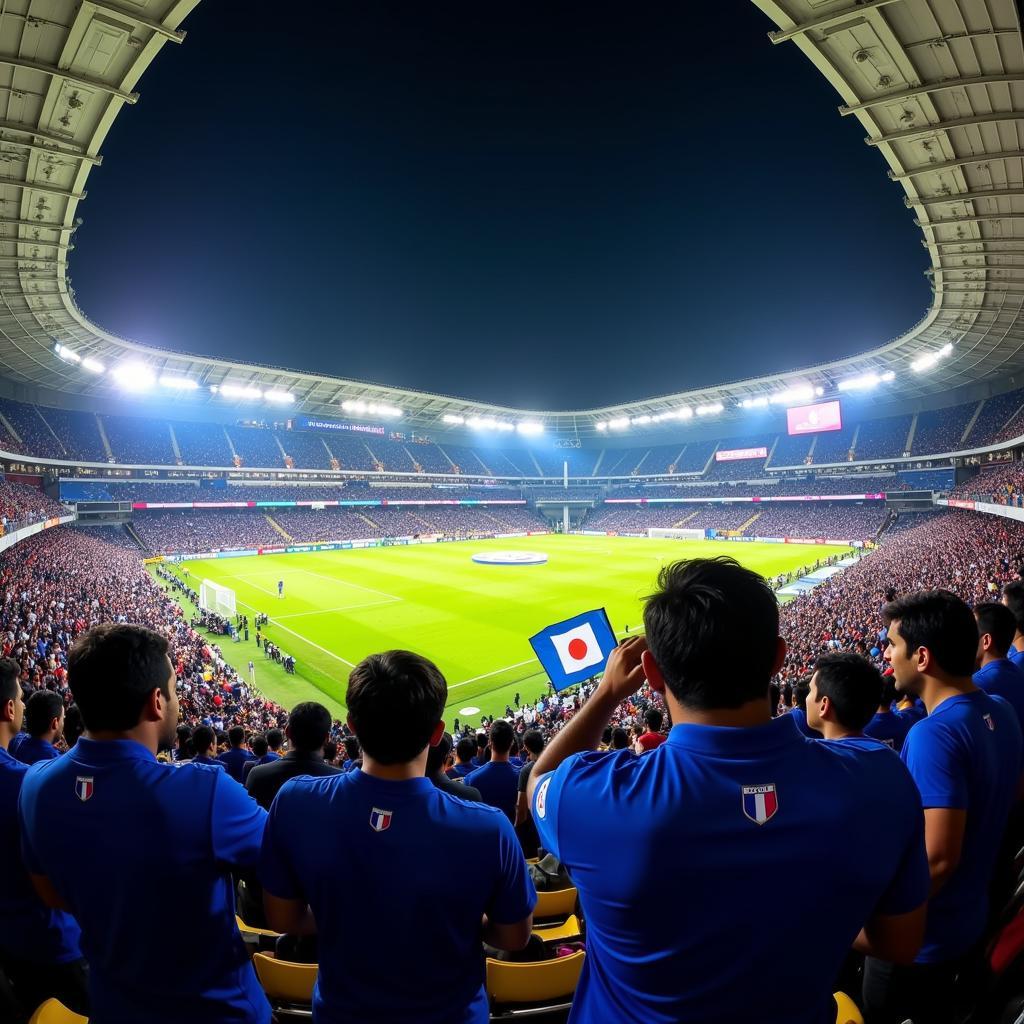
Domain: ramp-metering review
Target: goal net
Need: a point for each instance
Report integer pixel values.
(214, 597)
(671, 533)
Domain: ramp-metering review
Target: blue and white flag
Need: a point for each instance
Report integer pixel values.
(576, 649)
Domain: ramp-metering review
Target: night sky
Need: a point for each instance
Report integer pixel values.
(543, 205)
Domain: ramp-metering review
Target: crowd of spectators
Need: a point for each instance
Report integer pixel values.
(942, 430)
(22, 505)
(197, 530)
(138, 441)
(882, 439)
(828, 519)
(1002, 485)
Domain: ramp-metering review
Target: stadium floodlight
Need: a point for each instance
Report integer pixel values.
(65, 353)
(240, 391)
(640, 420)
(620, 423)
(279, 397)
(93, 365)
(710, 409)
(134, 376)
(799, 393)
(686, 413)
(603, 425)
(530, 428)
(754, 403)
(449, 417)
(488, 423)
(866, 381)
(371, 408)
(179, 383)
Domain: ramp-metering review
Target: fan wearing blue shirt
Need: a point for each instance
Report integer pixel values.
(887, 725)
(798, 716)
(731, 798)
(1013, 598)
(465, 751)
(844, 693)
(129, 845)
(375, 846)
(965, 757)
(260, 755)
(44, 722)
(236, 757)
(498, 780)
(204, 740)
(39, 950)
(996, 674)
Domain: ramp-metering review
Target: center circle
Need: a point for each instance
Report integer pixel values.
(577, 649)
(510, 557)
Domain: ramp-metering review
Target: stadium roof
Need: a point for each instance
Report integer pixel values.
(938, 86)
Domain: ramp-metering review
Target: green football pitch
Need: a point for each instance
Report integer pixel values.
(472, 620)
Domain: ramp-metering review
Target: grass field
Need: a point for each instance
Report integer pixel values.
(473, 620)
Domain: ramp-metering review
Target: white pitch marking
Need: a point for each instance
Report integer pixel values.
(345, 583)
(325, 611)
(330, 654)
(487, 675)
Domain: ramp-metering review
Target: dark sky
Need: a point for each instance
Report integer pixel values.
(547, 205)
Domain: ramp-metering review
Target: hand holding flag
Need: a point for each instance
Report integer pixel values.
(576, 649)
(624, 673)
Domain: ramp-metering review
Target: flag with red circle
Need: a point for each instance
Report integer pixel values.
(575, 649)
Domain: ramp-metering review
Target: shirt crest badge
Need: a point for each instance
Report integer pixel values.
(84, 787)
(380, 820)
(760, 803)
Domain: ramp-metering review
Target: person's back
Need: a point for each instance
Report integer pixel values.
(995, 673)
(44, 719)
(236, 757)
(731, 798)
(498, 780)
(376, 846)
(132, 845)
(889, 728)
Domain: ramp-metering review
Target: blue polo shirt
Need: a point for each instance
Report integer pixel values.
(359, 848)
(498, 782)
(1017, 657)
(462, 770)
(685, 919)
(15, 744)
(28, 930)
(32, 749)
(210, 762)
(966, 755)
(1001, 678)
(256, 761)
(799, 718)
(915, 713)
(137, 848)
(235, 760)
(889, 728)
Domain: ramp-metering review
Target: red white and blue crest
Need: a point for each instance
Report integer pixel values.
(380, 820)
(760, 803)
(84, 787)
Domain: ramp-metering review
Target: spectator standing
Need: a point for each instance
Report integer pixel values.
(653, 737)
(1013, 598)
(437, 757)
(498, 780)
(996, 674)
(236, 757)
(533, 744)
(44, 723)
(798, 715)
(81, 813)
(731, 798)
(204, 741)
(886, 725)
(965, 757)
(425, 911)
(39, 946)
(845, 691)
(465, 751)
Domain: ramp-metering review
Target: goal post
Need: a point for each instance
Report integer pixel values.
(672, 533)
(214, 597)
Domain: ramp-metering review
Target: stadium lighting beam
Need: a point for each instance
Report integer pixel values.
(371, 408)
(530, 428)
(279, 397)
(926, 362)
(179, 383)
(65, 353)
(800, 393)
(866, 381)
(452, 418)
(755, 403)
(709, 410)
(620, 423)
(93, 365)
(240, 391)
(639, 421)
(135, 377)
(603, 425)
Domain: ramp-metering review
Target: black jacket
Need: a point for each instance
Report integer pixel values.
(266, 779)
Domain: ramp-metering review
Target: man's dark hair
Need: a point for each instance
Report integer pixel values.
(941, 622)
(502, 737)
(236, 735)
(852, 684)
(73, 725)
(113, 670)
(275, 739)
(997, 620)
(1013, 595)
(10, 671)
(352, 750)
(41, 709)
(259, 745)
(533, 740)
(606, 736)
(481, 741)
(395, 701)
(889, 692)
(465, 749)
(653, 719)
(309, 725)
(620, 738)
(330, 750)
(800, 692)
(436, 755)
(202, 739)
(705, 613)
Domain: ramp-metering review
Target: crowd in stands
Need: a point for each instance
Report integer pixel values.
(137, 440)
(21, 505)
(204, 530)
(689, 905)
(852, 483)
(837, 520)
(884, 438)
(1002, 485)
(942, 430)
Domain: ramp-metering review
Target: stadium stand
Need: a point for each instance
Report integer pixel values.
(835, 446)
(256, 446)
(942, 430)
(306, 449)
(926, 479)
(36, 436)
(622, 461)
(791, 451)
(139, 441)
(202, 444)
(78, 433)
(884, 438)
(996, 414)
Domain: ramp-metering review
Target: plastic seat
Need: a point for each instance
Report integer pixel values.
(523, 990)
(288, 986)
(569, 931)
(560, 903)
(53, 1011)
(251, 929)
(846, 1009)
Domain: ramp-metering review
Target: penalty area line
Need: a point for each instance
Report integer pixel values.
(299, 636)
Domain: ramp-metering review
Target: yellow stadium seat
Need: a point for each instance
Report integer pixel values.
(288, 986)
(560, 903)
(545, 983)
(251, 929)
(567, 932)
(533, 860)
(55, 1012)
(846, 1010)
